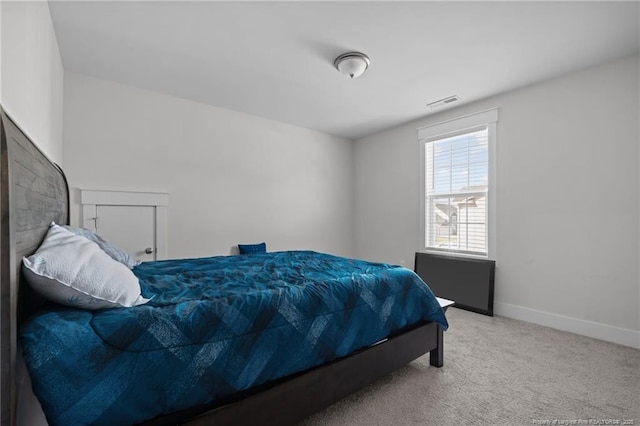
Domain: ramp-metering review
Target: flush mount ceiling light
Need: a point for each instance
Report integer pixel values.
(352, 64)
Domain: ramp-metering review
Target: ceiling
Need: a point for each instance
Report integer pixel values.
(275, 59)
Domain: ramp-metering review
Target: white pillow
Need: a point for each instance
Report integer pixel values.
(71, 270)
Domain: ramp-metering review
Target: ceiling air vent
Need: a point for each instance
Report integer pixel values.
(444, 101)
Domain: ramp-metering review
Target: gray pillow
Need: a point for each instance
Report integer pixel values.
(71, 270)
(114, 252)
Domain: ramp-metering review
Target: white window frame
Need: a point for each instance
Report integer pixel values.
(449, 128)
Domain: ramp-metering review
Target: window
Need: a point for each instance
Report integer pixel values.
(457, 178)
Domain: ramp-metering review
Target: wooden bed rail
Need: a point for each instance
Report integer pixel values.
(293, 399)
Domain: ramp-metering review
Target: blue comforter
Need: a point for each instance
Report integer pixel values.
(214, 326)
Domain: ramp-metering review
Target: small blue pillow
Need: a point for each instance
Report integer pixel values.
(252, 248)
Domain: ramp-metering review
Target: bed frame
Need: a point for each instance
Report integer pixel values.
(34, 192)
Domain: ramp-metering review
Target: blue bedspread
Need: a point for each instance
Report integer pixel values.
(215, 326)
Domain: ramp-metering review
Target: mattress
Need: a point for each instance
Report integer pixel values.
(214, 327)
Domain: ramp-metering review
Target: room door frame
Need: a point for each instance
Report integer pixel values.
(90, 199)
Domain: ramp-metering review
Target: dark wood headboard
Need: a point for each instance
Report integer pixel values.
(33, 193)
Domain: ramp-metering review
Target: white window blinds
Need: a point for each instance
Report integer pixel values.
(456, 191)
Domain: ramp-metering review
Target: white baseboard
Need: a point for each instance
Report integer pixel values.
(621, 336)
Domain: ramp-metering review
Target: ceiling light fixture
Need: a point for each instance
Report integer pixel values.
(352, 64)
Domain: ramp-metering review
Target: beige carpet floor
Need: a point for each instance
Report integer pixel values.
(502, 371)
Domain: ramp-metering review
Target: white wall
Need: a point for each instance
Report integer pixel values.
(567, 191)
(231, 177)
(32, 73)
(1, 3)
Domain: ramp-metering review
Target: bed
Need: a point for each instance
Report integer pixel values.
(34, 193)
